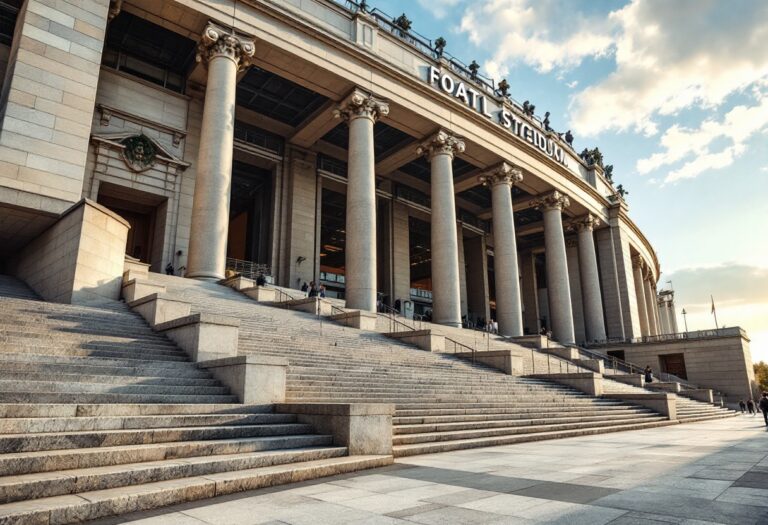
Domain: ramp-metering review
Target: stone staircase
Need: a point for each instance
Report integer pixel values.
(100, 416)
(442, 403)
(688, 410)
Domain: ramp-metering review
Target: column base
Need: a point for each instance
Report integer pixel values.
(205, 276)
(449, 323)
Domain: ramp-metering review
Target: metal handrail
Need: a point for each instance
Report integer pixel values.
(462, 345)
(282, 296)
(248, 269)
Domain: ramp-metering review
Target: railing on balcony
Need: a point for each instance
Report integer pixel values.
(733, 331)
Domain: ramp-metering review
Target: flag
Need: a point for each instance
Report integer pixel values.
(713, 305)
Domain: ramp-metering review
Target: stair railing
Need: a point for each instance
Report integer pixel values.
(459, 347)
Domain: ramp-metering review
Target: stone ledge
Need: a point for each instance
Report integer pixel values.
(364, 428)
(337, 409)
(502, 360)
(587, 382)
(424, 339)
(220, 320)
(244, 360)
(663, 402)
(356, 319)
(153, 297)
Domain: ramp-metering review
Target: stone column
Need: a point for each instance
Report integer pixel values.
(509, 311)
(224, 54)
(638, 267)
(446, 297)
(590, 278)
(650, 304)
(558, 287)
(360, 110)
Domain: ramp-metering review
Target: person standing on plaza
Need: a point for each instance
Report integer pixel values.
(751, 406)
(742, 406)
(763, 405)
(648, 374)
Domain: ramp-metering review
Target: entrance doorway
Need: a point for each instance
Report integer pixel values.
(146, 213)
(250, 210)
(333, 242)
(420, 252)
(674, 364)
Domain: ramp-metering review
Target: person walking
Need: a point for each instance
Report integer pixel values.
(751, 406)
(648, 374)
(763, 405)
(742, 406)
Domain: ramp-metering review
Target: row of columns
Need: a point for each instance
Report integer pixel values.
(647, 305)
(224, 54)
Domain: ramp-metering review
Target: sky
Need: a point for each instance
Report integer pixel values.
(675, 95)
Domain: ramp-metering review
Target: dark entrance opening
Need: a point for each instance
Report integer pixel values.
(333, 241)
(673, 364)
(146, 213)
(250, 210)
(420, 242)
(618, 354)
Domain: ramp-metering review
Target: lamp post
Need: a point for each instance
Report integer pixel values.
(685, 320)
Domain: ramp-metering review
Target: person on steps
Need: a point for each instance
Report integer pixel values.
(312, 289)
(261, 280)
(743, 406)
(764, 407)
(648, 374)
(751, 406)
(304, 288)
(321, 290)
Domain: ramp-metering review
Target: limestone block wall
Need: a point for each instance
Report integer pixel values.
(401, 263)
(49, 95)
(720, 363)
(301, 214)
(79, 259)
(529, 294)
(477, 278)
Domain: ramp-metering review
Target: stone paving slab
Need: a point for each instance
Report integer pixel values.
(712, 472)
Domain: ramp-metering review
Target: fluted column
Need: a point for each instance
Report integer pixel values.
(360, 110)
(590, 278)
(638, 268)
(509, 311)
(558, 286)
(446, 295)
(650, 304)
(224, 54)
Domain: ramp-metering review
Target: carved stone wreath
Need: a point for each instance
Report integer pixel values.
(139, 153)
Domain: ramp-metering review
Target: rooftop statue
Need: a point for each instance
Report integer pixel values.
(528, 108)
(473, 69)
(609, 172)
(621, 191)
(440, 44)
(504, 87)
(569, 137)
(546, 122)
(403, 22)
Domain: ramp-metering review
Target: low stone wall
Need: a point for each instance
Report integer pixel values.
(721, 363)
(587, 382)
(79, 259)
(503, 360)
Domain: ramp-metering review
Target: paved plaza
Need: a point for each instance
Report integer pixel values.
(700, 473)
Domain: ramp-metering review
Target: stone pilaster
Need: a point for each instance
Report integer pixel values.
(509, 311)
(590, 278)
(446, 297)
(558, 286)
(223, 53)
(361, 110)
(638, 268)
(650, 303)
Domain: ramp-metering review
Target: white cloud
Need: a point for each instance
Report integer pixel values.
(671, 56)
(439, 8)
(532, 32)
(679, 143)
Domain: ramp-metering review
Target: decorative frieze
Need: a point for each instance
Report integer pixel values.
(443, 143)
(220, 42)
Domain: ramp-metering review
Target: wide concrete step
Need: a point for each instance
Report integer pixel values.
(383, 387)
(108, 388)
(106, 398)
(460, 444)
(704, 417)
(47, 484)
(51, 410)
(490, 414)
(82, 424)
(463, 406)
(107, 379)
(93, 352)
(135, 362)
(112, 332)
(423, 428)
(452, 435)
(10, 443)
(18, 463)
(102, 503)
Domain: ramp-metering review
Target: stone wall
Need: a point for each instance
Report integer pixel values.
(50, 93)
(79, 259)
(719, 363)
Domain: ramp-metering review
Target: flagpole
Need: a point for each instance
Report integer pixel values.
(714, 312)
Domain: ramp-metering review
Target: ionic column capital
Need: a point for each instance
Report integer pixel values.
(586, 223)
(360, 104)
(220, 42)
(441, 142)
(503, 173)
(552, 201)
